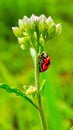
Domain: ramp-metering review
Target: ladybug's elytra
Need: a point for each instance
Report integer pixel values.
(44, 62)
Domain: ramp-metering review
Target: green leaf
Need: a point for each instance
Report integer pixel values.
(17, 92)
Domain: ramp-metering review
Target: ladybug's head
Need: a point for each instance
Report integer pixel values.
(44, 54)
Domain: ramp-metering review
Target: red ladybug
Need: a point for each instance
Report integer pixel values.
(44, 62)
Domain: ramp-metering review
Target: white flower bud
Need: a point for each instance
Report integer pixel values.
(26, 20)
(42, 18)
(50, 22)
(34, 18)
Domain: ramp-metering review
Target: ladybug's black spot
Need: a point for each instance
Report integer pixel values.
(48, 63)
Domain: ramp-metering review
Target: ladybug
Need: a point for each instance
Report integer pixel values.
(44, 62)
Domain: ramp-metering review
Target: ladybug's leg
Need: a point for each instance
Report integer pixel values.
(41, 64)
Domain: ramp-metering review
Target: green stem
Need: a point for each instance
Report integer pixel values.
(37, 84)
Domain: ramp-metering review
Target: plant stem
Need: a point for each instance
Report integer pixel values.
(37, 84)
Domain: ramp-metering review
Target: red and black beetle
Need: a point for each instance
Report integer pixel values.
(44, 62)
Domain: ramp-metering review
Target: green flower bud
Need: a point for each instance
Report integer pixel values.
(21, 40)
(25, 34)
(24, 42)
(35, 36)
(17, 31)
(51, 32)
(41, 40)
(58, 29)
(31, 90)
(42, 26)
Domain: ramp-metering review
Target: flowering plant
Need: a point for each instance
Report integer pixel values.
(32, 33)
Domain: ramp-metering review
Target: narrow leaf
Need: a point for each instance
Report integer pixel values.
(17, 92)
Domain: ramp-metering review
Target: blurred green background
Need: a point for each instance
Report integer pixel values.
(16, 66)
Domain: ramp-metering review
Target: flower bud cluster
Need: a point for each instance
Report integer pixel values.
(31, 90)
(35, 30)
